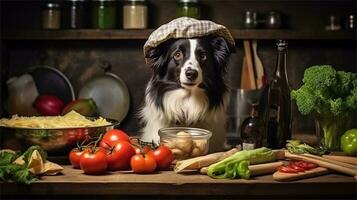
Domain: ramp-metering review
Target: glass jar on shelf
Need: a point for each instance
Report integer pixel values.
(75, 14)
(135, 14)
(51, 15)
(188, 8)
(104, 14)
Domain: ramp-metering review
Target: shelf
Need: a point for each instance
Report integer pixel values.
(265, 34)
(94, 34)
(80, 34)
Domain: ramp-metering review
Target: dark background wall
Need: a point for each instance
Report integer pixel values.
(81, 59)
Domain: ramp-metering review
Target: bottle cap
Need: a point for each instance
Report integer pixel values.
(282, 44)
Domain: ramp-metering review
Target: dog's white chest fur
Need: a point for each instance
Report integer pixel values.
(184, 107)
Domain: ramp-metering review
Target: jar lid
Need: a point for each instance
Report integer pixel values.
(104, 0)
(52, 5)
(187, 1)
(135, 0)
(76, 0)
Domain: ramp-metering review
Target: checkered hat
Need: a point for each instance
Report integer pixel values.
(186, 27)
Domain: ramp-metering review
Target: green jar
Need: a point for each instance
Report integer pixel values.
(104, 14)
(188, 8)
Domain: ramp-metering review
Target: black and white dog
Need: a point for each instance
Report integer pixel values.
(187, 87)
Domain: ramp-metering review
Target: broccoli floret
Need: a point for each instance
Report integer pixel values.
(320, 77)
(305, 99)
(330, 95)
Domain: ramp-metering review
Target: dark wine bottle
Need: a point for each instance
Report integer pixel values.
(279, 102)
(252, 130)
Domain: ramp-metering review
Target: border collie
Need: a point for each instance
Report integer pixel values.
(187, 88)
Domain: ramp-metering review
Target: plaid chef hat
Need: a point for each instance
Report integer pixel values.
(186, 27)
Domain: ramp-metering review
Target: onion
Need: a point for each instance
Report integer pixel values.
(49, 105)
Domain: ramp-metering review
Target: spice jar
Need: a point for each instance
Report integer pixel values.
(75, 14)
(51, 15)
(135, 14)
(104, 14)
(188, 8)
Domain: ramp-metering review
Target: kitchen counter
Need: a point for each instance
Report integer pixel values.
(74, 182)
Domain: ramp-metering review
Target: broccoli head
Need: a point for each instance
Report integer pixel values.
(326, 91)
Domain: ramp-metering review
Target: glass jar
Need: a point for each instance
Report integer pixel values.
(188, 8)
(75, 14)
(135, 14)
(104, 14)
(51, 15)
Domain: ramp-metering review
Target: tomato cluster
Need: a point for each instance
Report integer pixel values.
(116, 152)
(296, 167)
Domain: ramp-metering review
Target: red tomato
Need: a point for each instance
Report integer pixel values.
(296, 167)
(144, 149)
(306, 165)
(113, 136)
(163, 157)
(75, 155)
(119, 155)
(93, 162)
(143, 164)
(76, 135)
(286, 169)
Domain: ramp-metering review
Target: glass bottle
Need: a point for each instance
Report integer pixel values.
(279, 102)
(252, 130)
(135, 14)
(188, 8)
(51, 15)
(104, 14)
(75, 14)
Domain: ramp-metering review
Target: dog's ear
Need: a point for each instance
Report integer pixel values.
(154, 57)
(157, 56)
(221, 52)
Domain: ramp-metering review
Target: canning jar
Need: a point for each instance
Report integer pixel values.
(75, 14)
(104, 14)
(135, 14)
(51, 15)
(188, 8)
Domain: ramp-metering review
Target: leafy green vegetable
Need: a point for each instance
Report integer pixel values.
(10, 171)
(295, 146)
(331, 96)
(236, 165)
(7, 157)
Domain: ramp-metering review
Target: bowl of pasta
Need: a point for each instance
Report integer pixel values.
(55, 134)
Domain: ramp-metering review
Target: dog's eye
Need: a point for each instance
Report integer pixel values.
(203, 56)
(178, 55)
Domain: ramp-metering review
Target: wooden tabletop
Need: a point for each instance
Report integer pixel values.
(74, 182)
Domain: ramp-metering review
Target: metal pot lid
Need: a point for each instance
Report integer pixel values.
(110, 94)
(52, 81)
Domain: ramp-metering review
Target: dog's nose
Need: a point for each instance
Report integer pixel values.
(191, 74)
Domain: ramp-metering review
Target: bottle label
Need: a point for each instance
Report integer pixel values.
(248, 146)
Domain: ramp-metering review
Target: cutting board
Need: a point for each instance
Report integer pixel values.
(281, 176)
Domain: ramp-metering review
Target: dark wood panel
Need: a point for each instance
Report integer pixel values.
(91, 34)
(74, 182)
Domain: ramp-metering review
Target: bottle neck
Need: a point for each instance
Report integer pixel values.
(280, 70)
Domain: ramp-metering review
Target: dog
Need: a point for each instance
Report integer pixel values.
(187, 88)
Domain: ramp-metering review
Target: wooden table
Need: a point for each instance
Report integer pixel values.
(169, 184)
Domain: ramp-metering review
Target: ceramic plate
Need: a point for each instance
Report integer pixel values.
(111, 95)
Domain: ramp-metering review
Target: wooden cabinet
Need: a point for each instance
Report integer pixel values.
(79, 53)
